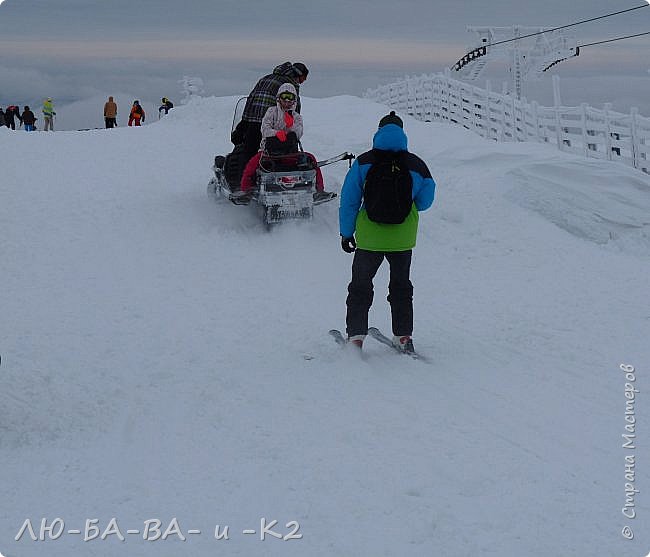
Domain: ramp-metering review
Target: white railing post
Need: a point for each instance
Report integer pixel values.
(504, 125)
(535, 120)
(447, 86)
(583, 123)
(449, 98)
(444, 105)
(515, 136)
(477, 110)
(458, 102)
(557, 103)
(634, 139)
(411, 105)
(434, 97)
(488, 111)
(608, 133)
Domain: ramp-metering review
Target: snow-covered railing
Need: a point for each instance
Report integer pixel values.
(583, 130)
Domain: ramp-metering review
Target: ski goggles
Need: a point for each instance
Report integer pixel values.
(286, 96)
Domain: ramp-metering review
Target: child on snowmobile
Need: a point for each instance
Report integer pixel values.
(281, 123)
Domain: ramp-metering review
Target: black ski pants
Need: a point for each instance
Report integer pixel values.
(252, 140)
(246, 138)
(360, 291)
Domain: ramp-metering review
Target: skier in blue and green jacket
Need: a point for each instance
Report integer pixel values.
(373, 241)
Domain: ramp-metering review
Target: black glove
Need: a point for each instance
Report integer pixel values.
(348, 244)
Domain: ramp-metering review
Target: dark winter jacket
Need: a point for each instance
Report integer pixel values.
(28, 117)
(166, 106)
(10, 113)
(262, 97)
(137, 112)
(353, 219)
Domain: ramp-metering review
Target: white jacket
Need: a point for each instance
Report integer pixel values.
(273, 120)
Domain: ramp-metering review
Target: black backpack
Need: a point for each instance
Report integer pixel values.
(388, 189)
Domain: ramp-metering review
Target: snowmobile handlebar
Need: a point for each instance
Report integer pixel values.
(342, 157)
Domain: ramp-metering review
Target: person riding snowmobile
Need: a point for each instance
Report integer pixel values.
(260, 99)
(281, 125)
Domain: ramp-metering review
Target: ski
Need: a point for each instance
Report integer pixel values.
(240, 197)
(342, 157)
(338, 337)
(319, 200)
(375, 333)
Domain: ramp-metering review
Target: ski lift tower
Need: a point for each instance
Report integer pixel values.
(530, 56)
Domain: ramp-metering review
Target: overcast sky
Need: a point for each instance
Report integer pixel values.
(78, 49)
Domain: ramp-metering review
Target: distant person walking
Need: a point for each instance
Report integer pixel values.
(12, 112)
(2, 118)
(48, 115)
(167, 105)
(28, 119)
(136, 115)
(110, 113)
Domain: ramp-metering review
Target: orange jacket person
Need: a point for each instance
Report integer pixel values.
(136, 115)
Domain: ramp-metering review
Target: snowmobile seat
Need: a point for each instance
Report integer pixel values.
(295, 172)
(286, 163)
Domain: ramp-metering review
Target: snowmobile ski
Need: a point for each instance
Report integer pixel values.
(240, 197)
(324, 197)
(375, 333)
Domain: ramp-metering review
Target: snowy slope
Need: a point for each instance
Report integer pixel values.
(164, 356)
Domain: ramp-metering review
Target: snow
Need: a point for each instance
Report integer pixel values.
(164, 356)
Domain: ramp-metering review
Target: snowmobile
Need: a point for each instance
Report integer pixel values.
(285, 182)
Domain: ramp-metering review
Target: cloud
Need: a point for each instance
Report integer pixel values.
(71, 70)
(75, 49)
(377, 51)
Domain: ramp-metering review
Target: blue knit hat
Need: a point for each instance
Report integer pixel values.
(391, 118)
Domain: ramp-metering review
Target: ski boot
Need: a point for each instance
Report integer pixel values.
(404, 344)
(356, 341)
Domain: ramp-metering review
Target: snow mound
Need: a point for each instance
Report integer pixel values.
(592, 202)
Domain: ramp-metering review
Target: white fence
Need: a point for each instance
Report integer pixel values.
(583, 130)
